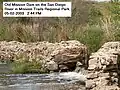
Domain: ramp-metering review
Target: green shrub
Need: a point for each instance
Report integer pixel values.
(91, 24)
(91, 36)
(22, 67)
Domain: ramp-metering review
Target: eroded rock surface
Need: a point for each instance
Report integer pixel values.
(104, 68)
(53, 56)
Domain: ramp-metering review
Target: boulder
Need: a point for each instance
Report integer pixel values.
(52, 66)
(70, 54)
(104, 68)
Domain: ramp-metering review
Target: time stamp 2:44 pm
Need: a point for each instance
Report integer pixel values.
(22, 13)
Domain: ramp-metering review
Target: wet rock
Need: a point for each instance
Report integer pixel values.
(63, 68)
(79, 67)
(52, 66)
(78, 64)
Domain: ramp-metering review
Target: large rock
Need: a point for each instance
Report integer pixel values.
(63, 55)
(104, 68)
(52, 66)
(70, 54)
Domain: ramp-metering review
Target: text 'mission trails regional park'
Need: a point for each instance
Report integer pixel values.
(37, 9)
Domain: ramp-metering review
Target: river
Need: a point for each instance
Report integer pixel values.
(53, 81)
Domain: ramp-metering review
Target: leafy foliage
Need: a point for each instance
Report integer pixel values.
(22, 67)
(91, 23)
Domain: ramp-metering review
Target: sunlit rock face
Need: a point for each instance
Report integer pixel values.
(104, 68)
(69, 53)
(52, 56)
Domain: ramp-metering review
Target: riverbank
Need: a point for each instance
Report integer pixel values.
(44, 56)
(100, 69)
(24, 60)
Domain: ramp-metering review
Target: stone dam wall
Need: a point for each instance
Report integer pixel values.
(52, 56)
(103, 66)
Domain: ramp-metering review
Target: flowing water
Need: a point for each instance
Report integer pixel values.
(53, 81)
